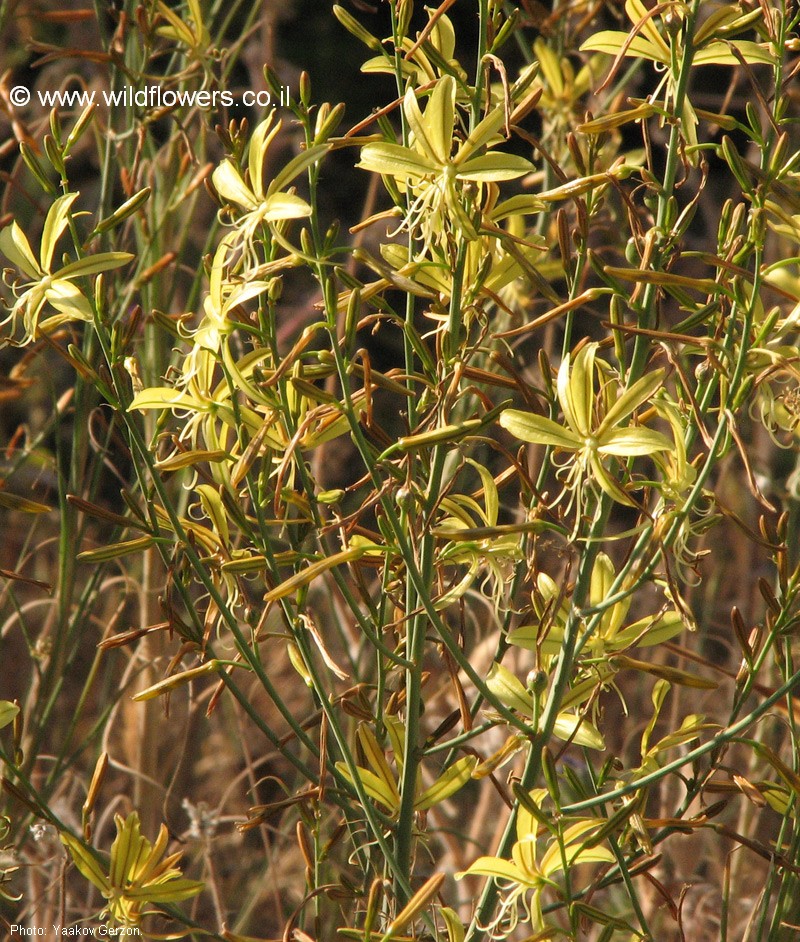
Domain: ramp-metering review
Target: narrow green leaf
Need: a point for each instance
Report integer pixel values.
(24, 504)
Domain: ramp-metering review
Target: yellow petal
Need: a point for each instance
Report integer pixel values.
(8, 711)
(494, 168)
(68, 299)
(539, 430)
(279, 206)
(16, 248)
(494, 867)
(448, 783)
(508, 689)
(231, 187)
(54, 224)
(395, 161)
(260, 140)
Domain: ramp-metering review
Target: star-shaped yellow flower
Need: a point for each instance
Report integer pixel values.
(46, 286)
(433, 174)
(139, 873)
(589, 438)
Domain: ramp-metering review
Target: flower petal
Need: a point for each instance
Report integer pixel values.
(395, 161)
(296, 166)
(494, 168)
(440, 118)
(539, 430)
(576, 394)
(632, 441)
(448, 783)
(231, 187)
(93, 264)
(54, 224)
(485, 134)
(68, 299)
(165, 397)
(508, 689)
(642, 390)
(260, 140)
(494, 867)
(611, 41)
(572, 728)
(16, 248)
(279, 206)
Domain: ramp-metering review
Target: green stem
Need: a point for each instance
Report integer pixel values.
(558, 688)
(730, 733)
(642, 343)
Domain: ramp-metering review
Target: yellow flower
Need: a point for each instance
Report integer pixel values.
(46, 286)
(379, 782)
(569, 726)
(711, 44)
(139, 873)
(523, 878)
(189, 30)
(262, 206)
(224, 294)
(415, 64)
(434, 176)
(590, 440)
(8, 711)
(611, 634)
